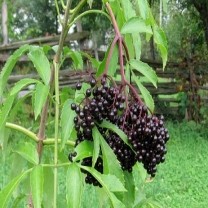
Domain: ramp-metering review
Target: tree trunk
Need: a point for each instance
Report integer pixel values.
(4, 23)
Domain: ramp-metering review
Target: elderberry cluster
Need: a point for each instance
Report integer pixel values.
(147, 135)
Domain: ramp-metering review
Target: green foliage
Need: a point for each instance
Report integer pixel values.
(120, 188)
(67, 123)
(74, 186)
(36, 183)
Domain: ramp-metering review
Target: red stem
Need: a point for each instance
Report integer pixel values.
(121, 44)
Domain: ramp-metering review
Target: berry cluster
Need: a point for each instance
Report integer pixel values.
(146, 134)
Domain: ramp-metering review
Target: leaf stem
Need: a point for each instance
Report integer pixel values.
(25, 131)
(86, 13)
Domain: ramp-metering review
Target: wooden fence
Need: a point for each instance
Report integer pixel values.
(176, 78)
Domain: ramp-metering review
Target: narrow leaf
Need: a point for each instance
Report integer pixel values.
(5, 110)
(7, 69)
(48, 187)
(113, 183)
(110, 163)
(96, 149)
(6, 192)
(143, 8)
(29, 152)
(145, 94)
(21, 84)
(136, 25)
(114, 200)
(74, 186)
(115, 129)
(36, 183)
(83, 150)
(67, 122)
(113, 62)
(41, 63)
(161, 41)
(41, 94)
(129, 196)
(144, 69)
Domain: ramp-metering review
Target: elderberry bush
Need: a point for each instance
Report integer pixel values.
(146, 134)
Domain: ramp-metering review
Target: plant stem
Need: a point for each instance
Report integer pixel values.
(22, 130)
(88, 12)
(51, 141)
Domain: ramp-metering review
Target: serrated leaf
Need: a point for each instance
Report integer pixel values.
(161, 41)
(114, 200)
(5, 110)
(29, 152)
(113, 183)
(144, 69)
(83, 150)
(113, 62)
(96, 149)
(129, 196)
(110, 162)
(41, 94)
(67, 122)
(36, 184)
(76, 56)
(115, 129)
(6, 192)
(48, 187)
(41, 63)
(74, 186)
(136, 25)
(7, 69)
(21, 84)
(145, 94)
(143, 8)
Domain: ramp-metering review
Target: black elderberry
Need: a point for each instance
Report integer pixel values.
(78, 86)
(88, 92)
(92, 82)
(73, 106)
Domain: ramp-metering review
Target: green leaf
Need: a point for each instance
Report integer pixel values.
(143, 8)
(48, 187)
(5, 110)
(41, 94)
(74, 186)
(110, 163)
(128, 11)
(145, 94)
(96, 149)
(136, 25)
(114, 128)
(41, 63)
(161, 41)
(113, 62)
(29, 152)
(114, 200)
(144, 69)
(76, 56)
(67, 122)
(7, 69)
(6, 192)
(90, 3)
(21, 84)
(129, 196)
(113, 183)
(83, 150)
(36, 183)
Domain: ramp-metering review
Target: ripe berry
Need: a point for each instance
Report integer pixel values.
(78, 86)
(73, 106)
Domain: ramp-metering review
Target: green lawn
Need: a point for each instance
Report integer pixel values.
(181, 182)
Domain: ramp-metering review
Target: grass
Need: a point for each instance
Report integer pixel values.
(181, 182)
